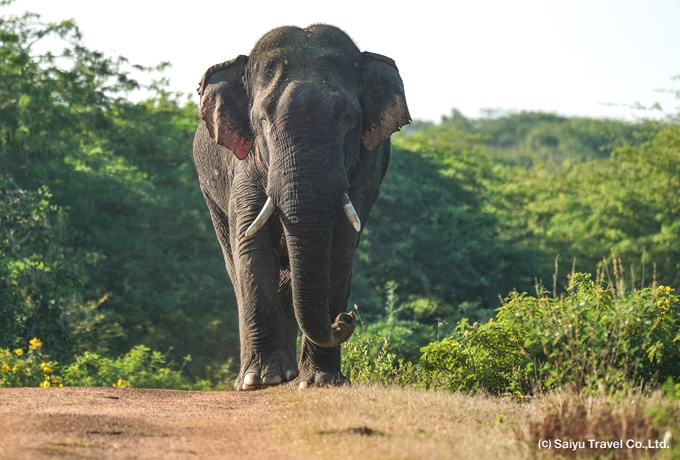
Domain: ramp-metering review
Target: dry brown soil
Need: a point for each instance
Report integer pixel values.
(38, 423)
(358, 422)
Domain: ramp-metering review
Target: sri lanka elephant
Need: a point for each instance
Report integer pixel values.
(290, 151)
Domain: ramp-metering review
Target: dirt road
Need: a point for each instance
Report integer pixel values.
(38, 423)
(360, 422)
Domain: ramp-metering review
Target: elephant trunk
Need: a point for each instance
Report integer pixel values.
(307, 211)
(308, 183)
(310, 265)
(308, 201)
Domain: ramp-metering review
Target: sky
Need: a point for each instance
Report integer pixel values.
(593, 58)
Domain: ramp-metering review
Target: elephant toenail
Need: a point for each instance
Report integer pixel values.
(290, 374)
(251, 379)
(272, 379)
(303, 384)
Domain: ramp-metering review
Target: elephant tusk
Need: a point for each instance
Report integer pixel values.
(262, 218)
(350, 212)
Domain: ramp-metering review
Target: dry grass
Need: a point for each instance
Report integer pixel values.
(374, 422)
(622, 422)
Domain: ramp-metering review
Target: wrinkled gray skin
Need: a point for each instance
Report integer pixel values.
(304, 119)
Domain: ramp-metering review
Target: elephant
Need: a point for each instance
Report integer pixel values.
(291, 147)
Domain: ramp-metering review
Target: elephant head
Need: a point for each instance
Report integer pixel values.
(305, 106)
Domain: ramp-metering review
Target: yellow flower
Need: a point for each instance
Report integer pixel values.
(46, 368)
(659, 303)
(18, 352)
(45, 384)
(4, 368)
(669, 290)
(15, 368)
(121, 383)
(660, 287)
(35, 344)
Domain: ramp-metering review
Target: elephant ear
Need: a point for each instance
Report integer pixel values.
(382, 100)
(225, 106)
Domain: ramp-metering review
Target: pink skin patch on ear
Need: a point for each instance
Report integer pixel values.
(394, 117)
(242, 148)
(228, 137)
(222, 131)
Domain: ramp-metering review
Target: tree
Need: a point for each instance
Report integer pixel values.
(432, 231)
(117, 204)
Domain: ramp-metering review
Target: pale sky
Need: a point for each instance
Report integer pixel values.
(592, 58)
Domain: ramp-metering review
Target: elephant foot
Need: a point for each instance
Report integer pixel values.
(320, 378)
(319, 366)
(261, 371)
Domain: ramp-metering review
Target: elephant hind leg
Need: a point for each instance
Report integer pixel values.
(221, 225)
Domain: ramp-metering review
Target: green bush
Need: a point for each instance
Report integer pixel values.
(592, 339)
(29, 367)
(367, 359)
(139, 368)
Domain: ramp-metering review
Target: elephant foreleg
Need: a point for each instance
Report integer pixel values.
(267, 357)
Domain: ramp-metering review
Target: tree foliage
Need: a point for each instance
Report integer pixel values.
(104, 240)
(472, 209)
(622, 207)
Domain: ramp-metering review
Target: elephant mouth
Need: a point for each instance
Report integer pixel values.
(269, 208)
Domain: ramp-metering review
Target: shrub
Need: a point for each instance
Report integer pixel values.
(603, 428)
(367, 359)
(590, 339)
(140, 368)
(27, 367)
(595, 338)
(624, 425)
